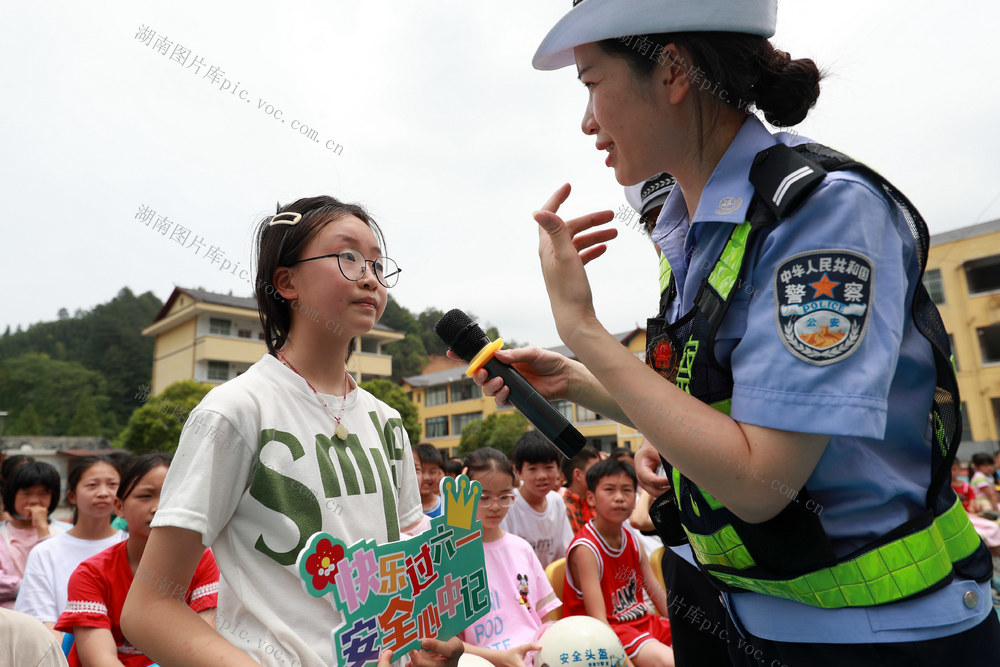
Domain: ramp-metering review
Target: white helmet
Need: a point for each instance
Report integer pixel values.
(580, 641)
(469, 660)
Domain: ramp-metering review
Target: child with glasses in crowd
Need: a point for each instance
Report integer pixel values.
(521, 598)
(290, 448)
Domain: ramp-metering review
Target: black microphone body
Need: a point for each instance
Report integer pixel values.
(467, 340)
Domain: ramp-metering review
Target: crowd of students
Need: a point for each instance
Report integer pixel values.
(539, 509)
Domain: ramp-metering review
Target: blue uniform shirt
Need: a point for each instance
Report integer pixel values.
(873, 399)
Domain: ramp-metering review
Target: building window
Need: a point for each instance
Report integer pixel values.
(436, 395)
(966, 429)
(243, 333)
(932, 281)
(260, 336)
(218, 370)
(465, 390)
(459, 422)
(983, 275)
(989, 343)
(437, 427)
(218, 326)
(585, 415)
(565, 408)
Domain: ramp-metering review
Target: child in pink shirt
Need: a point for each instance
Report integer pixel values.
(30, 496)
(520, 595)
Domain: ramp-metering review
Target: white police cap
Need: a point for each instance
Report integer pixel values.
(649, 194)
(594, 20)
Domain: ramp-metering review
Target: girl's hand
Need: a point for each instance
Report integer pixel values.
(436, 653)
(647, 465)
(39, 520)
(564, 248)
(550, 373)
(514, 657)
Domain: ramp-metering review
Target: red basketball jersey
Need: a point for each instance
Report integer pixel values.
(621, 578)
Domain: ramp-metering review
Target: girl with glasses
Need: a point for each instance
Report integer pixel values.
(289, 448)
(520, 594)
(797, 383)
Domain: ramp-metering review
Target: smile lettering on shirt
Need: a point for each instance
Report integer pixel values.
(345, 468)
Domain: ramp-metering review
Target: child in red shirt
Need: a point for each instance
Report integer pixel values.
(606, 570)
(98, 587)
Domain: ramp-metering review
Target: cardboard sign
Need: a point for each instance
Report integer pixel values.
(393, 595)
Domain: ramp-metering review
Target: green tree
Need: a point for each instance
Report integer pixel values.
(156, 425)
(107, 340)
(28, 423)
(394, 396)
(408, 356)
(500, 430)
(54, 389)
(85, 420)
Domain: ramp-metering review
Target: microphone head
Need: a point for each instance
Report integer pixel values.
(463, 336)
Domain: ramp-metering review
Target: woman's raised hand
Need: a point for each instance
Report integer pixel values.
(564, 248)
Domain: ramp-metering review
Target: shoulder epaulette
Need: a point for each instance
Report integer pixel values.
(783, 178)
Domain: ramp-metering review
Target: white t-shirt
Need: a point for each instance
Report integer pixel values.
(46, 574)
(548, 532)
(257, 472)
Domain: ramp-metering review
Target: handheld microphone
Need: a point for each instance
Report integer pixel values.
(468, 341)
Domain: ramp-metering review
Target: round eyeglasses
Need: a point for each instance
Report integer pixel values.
(353, 266)
(503, 501)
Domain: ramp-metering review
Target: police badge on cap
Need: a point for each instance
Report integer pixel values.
(823, 300)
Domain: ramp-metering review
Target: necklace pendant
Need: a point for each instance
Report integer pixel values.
(342, 431)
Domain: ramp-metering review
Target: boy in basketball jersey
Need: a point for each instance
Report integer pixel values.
(606, 570)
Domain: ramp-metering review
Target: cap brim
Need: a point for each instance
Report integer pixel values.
(594, 20)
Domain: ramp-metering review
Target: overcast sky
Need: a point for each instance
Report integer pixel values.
(428, 113)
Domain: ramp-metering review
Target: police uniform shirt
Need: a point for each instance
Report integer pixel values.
(846, 245)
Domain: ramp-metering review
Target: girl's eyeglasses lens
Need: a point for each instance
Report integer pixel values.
(353, 265)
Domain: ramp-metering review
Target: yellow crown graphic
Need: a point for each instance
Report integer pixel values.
(461, 499)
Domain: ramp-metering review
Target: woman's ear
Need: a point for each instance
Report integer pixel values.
(119, 506)
(672, 73)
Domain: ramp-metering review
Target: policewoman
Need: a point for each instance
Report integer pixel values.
(797, 382)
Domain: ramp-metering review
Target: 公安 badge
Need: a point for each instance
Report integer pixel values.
(823, 300)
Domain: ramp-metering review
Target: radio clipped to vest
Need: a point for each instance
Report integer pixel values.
(790, 555)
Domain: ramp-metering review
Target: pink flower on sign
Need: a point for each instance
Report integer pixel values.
(322, 563)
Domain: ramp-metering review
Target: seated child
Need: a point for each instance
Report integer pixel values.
(575, 471)
(429, 463)
(97, 588)
(30, 495)
(981, 478)
(538, 514)
(90, 489)
(520, 594)
(606, 570)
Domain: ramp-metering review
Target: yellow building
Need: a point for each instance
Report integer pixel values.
(212, 338)
(963, 279)
(447, 401)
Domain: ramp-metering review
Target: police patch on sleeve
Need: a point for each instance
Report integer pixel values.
(823, 300)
